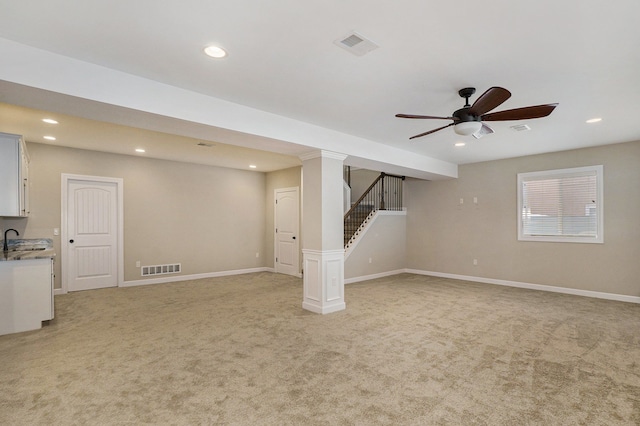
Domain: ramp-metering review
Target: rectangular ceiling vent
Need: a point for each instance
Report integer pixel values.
(356, 44)
(520, 128)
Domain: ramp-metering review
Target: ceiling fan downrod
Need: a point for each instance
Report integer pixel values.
(466, 94)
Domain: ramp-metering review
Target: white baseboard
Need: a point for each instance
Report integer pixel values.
(540, 287)
(176, 278)
(373, 276)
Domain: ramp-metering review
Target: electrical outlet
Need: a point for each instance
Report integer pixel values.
(475, 262)
(370, 260)
(475, 200)
(137, 263)
(257, 254)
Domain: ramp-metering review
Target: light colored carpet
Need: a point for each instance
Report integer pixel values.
(408, 350)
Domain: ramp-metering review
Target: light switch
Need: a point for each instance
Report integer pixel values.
(56, 231)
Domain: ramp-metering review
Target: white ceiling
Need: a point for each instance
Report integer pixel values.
(75, 132)
(282, 60)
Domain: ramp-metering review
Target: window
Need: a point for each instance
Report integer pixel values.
(561, 205)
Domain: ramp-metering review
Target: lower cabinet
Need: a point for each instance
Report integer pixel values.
(26, 294)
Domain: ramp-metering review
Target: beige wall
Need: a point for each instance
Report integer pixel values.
(384, 243)
(214, 219)
(209, 219)
(444, 236)
(361, 179)
(287, 178)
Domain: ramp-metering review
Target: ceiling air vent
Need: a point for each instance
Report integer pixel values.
(356, 44)
(520, 127)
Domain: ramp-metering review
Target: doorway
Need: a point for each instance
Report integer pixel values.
(92, 232)
(287, 229)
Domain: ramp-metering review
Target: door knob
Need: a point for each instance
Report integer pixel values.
(71, 241)
(294, 238)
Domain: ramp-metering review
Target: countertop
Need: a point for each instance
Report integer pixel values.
(27, 249)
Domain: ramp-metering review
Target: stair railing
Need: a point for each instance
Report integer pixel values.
(385, 193)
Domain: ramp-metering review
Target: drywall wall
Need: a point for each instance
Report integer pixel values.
(445, 236)
(286, 178)
(361, 179)
(381, 248)
(209, 219)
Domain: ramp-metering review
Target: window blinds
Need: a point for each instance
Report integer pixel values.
(560, 203)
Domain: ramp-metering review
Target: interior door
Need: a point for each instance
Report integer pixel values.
(287, 240)
(92, 234)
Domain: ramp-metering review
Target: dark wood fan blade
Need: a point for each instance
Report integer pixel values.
(431, 131)
(423, 116)
(525, 113)
(489, 100)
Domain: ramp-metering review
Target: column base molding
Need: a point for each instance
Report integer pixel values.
(323, 281)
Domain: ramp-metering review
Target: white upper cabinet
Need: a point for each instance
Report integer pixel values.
(14, 176)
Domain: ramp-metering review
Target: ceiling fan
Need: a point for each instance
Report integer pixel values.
(468, 120)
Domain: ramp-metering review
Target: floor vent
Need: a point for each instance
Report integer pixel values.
(356, 44)
(173, 268)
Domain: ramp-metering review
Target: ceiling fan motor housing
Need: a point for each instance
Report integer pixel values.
(466, 123)
(463, 115)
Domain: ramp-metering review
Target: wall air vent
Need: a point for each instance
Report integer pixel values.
(173, 268)
(520, 127)
(356, 44)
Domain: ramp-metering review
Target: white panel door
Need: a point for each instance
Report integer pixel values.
(286, 232)
(92, 234)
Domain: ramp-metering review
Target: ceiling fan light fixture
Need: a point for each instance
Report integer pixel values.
(466, 128)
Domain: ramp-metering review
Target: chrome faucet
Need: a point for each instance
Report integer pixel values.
(6, 246)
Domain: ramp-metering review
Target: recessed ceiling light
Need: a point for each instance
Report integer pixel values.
(594, 120)
(49, 120)
(140, 150)
(215, 51)
(460, 144)
(49, 138)
(252, 166)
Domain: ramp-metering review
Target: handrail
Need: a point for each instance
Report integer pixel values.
(374, 199)
(362, 197)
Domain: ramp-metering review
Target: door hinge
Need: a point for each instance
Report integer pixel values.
(276, 260)
(276, 230)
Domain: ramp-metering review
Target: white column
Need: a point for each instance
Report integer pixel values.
(323, 232)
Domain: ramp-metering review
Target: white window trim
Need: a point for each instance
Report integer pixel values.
(599, 238)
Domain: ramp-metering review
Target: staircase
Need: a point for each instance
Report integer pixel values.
(385, 193)
(353, 222)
